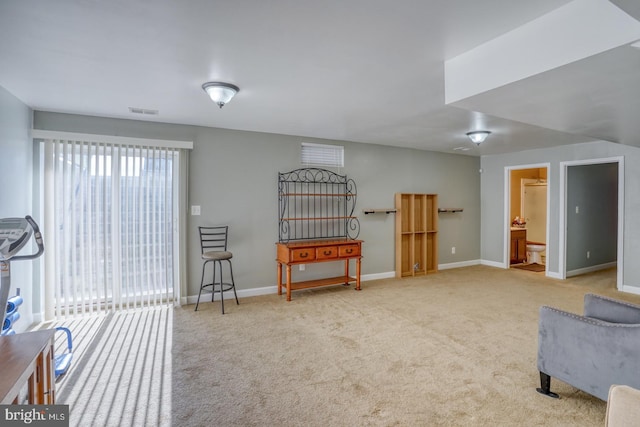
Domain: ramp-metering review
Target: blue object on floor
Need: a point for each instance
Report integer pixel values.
(10, 320)
(13, 303)
(63, 361)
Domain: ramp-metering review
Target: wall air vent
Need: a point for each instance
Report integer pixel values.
(148, 112)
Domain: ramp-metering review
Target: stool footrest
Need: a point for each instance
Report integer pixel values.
(225, 287)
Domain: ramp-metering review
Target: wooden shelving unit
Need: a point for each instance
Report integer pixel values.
(416, 234)
(316, 223)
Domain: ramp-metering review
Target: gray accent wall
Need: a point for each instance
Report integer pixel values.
(16, 196)
(233, 177)
(591, 228)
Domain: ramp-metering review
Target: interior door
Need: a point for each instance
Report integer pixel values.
(535, 212)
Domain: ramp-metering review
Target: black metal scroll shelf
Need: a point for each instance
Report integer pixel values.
(316, 204)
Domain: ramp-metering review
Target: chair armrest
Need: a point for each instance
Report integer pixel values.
(589, 354)
(623, 406)
(611, 310)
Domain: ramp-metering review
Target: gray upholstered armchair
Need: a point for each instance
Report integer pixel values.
(593, 351)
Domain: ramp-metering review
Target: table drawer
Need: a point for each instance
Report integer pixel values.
(349, 250)
(305, 254)
(327, 252)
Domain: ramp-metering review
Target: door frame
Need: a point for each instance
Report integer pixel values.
(562, 261)
(507, 209)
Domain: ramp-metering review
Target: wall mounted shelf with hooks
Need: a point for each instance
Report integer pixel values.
(372, 211)
(451, 210)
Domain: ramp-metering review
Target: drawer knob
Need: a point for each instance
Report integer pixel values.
(327, 253)
(304, 254)
(349, 251)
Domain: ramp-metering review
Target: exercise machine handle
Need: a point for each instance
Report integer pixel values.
(38, 238)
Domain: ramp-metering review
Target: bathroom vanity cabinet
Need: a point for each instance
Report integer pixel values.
(518, 246)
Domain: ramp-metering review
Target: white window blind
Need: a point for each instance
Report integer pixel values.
(322, 155)
(110, 211)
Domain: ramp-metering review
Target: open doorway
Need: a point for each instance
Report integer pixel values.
(592, 206)
(527, 217)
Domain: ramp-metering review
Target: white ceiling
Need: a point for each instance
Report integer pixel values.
(370, 71)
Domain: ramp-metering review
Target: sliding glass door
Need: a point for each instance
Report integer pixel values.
(111, 215)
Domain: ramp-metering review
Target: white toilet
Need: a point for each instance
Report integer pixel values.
(534, 252)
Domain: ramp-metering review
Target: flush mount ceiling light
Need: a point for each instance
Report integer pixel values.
(478, 136)
(220, 93)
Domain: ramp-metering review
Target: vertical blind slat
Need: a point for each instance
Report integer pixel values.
(124, 220)
(168, 223)
(56, 220)
(82, 216)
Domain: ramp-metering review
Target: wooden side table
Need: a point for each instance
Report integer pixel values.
(27, 358)
(307, 252)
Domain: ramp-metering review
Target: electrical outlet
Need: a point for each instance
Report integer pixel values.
(588, 254)
(416, 267)
(453, 250)
(577, 209)
(301, 267)
(195, 210)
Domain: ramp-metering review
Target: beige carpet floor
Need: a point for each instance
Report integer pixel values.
(456, 348)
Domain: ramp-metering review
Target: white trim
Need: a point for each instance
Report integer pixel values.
(562, 222)
(377, 276)
(242, 293)
(268, 290)
(553, 275)
(562, 208)
(620, 272)
(111, 139)
(493, 264)
(591, 269)
(507, 206)
(630, 289)
(458, 264)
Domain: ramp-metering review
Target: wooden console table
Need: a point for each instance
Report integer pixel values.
(307, 252)
(27, 358)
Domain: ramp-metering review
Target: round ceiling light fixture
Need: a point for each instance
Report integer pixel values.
(478, 136)
(220, 93)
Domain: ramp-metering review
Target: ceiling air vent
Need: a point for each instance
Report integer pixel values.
(461, 149)
(148, 112)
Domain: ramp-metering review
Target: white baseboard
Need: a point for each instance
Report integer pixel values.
(630, 289)
(492, 263)
(376, 276)
(458, 264)
(591, 269)
(242, 293)
(554, 275)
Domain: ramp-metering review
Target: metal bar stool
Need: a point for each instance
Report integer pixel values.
(213, 246)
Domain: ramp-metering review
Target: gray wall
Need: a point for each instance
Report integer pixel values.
(16, 194)
(233, 177)
(594, 229)
(492, 204)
